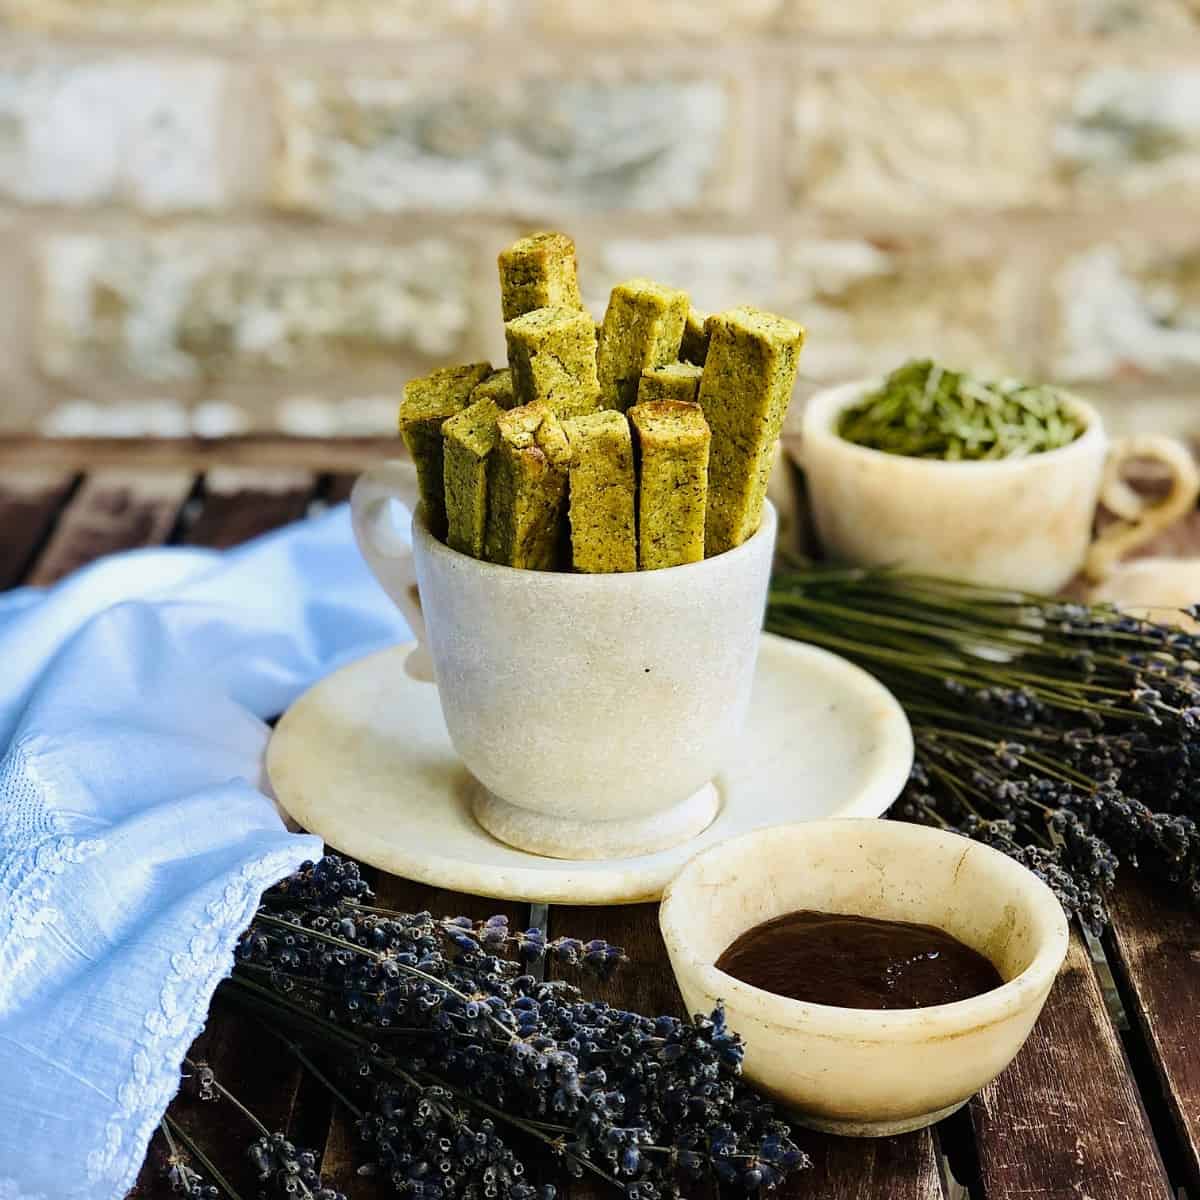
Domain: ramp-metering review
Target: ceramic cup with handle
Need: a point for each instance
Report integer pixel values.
(592, 710)
(1021, 523)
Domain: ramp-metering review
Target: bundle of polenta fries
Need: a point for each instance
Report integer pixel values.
(644, 442)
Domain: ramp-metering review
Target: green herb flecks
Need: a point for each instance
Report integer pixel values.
(925, 411)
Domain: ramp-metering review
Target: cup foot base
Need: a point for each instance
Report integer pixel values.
(874, 1129)
(567, 838)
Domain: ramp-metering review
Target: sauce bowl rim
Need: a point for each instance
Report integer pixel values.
(1052, 937)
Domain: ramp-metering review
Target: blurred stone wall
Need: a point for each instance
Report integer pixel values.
(219, 215)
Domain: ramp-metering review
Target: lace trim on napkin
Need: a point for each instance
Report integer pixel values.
(183, 1006)
(33, 852)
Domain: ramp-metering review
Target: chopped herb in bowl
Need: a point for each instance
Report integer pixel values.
(924, 410)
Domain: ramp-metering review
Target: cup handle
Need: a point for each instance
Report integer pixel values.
(389, 552)
(1140, 519)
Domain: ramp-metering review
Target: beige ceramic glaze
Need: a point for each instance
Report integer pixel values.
(1156, 589)
(852, 1071)
(594, 709)
(1023, 523)
(364, 760)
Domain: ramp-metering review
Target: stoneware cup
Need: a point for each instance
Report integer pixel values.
(860, 1072)
(1021, 523)
(592, 710)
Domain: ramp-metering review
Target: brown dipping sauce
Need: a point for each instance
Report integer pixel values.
(858, 962)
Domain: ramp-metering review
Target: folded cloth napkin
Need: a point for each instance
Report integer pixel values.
(135, 836)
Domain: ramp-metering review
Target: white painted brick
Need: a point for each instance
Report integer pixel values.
(907, 18)
(1127, 17)
(675, 18)
(868, 307)
(915, 140)
(119, 130)
(717, 271)
(1133, 131)
(133, 418)
(392, 145)
(349, 416)
(1126, 310)
(302, 17)
(227, 306)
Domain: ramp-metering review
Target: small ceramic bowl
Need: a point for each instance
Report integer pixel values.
(861, 1072)
(1017, 522)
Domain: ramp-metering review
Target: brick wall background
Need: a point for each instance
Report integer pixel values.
(219, 215)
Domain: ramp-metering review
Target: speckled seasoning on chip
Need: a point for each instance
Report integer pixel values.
(601, 493)
(745, 390)
(673, 451)
(527, 484)
(427, 404)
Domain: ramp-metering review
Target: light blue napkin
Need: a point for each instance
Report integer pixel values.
(135, 838)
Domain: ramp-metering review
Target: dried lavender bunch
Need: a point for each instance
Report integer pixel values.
(454, 1059)
(282, 1169)
(1063, 734)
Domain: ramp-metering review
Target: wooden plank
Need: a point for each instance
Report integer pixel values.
(899, 1168)
(1154, 949)
(254, 451)
(896, 1168)
(1065, 1120)
(259, 1071)
(241, 504)
(29, 504)
(256, 1067)
(113, 510)
(340, 486)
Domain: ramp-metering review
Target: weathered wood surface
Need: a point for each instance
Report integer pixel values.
(1065, 1120)
(29, 505)
(238, 505)
(255, 451)
(339, 488)
(1154, 949)
(899, 1168)
(111, 511)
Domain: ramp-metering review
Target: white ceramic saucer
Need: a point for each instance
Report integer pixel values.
(364, 760)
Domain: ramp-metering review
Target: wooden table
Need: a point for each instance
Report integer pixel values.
(1102, 1104)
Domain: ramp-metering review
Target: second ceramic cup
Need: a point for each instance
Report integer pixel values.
(594, 710)
(1015, 523)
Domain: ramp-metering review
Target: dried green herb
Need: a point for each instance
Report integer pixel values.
(925, 411)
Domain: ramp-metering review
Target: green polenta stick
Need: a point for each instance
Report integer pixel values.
(643, 327)
(469, 439)
(745, 390)
(498, 387)
(527, 482)
(538, 271)
(601, 492)
(673, 449)
(694, 347)
(675, 381)
(552, 353)
(427, 404)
